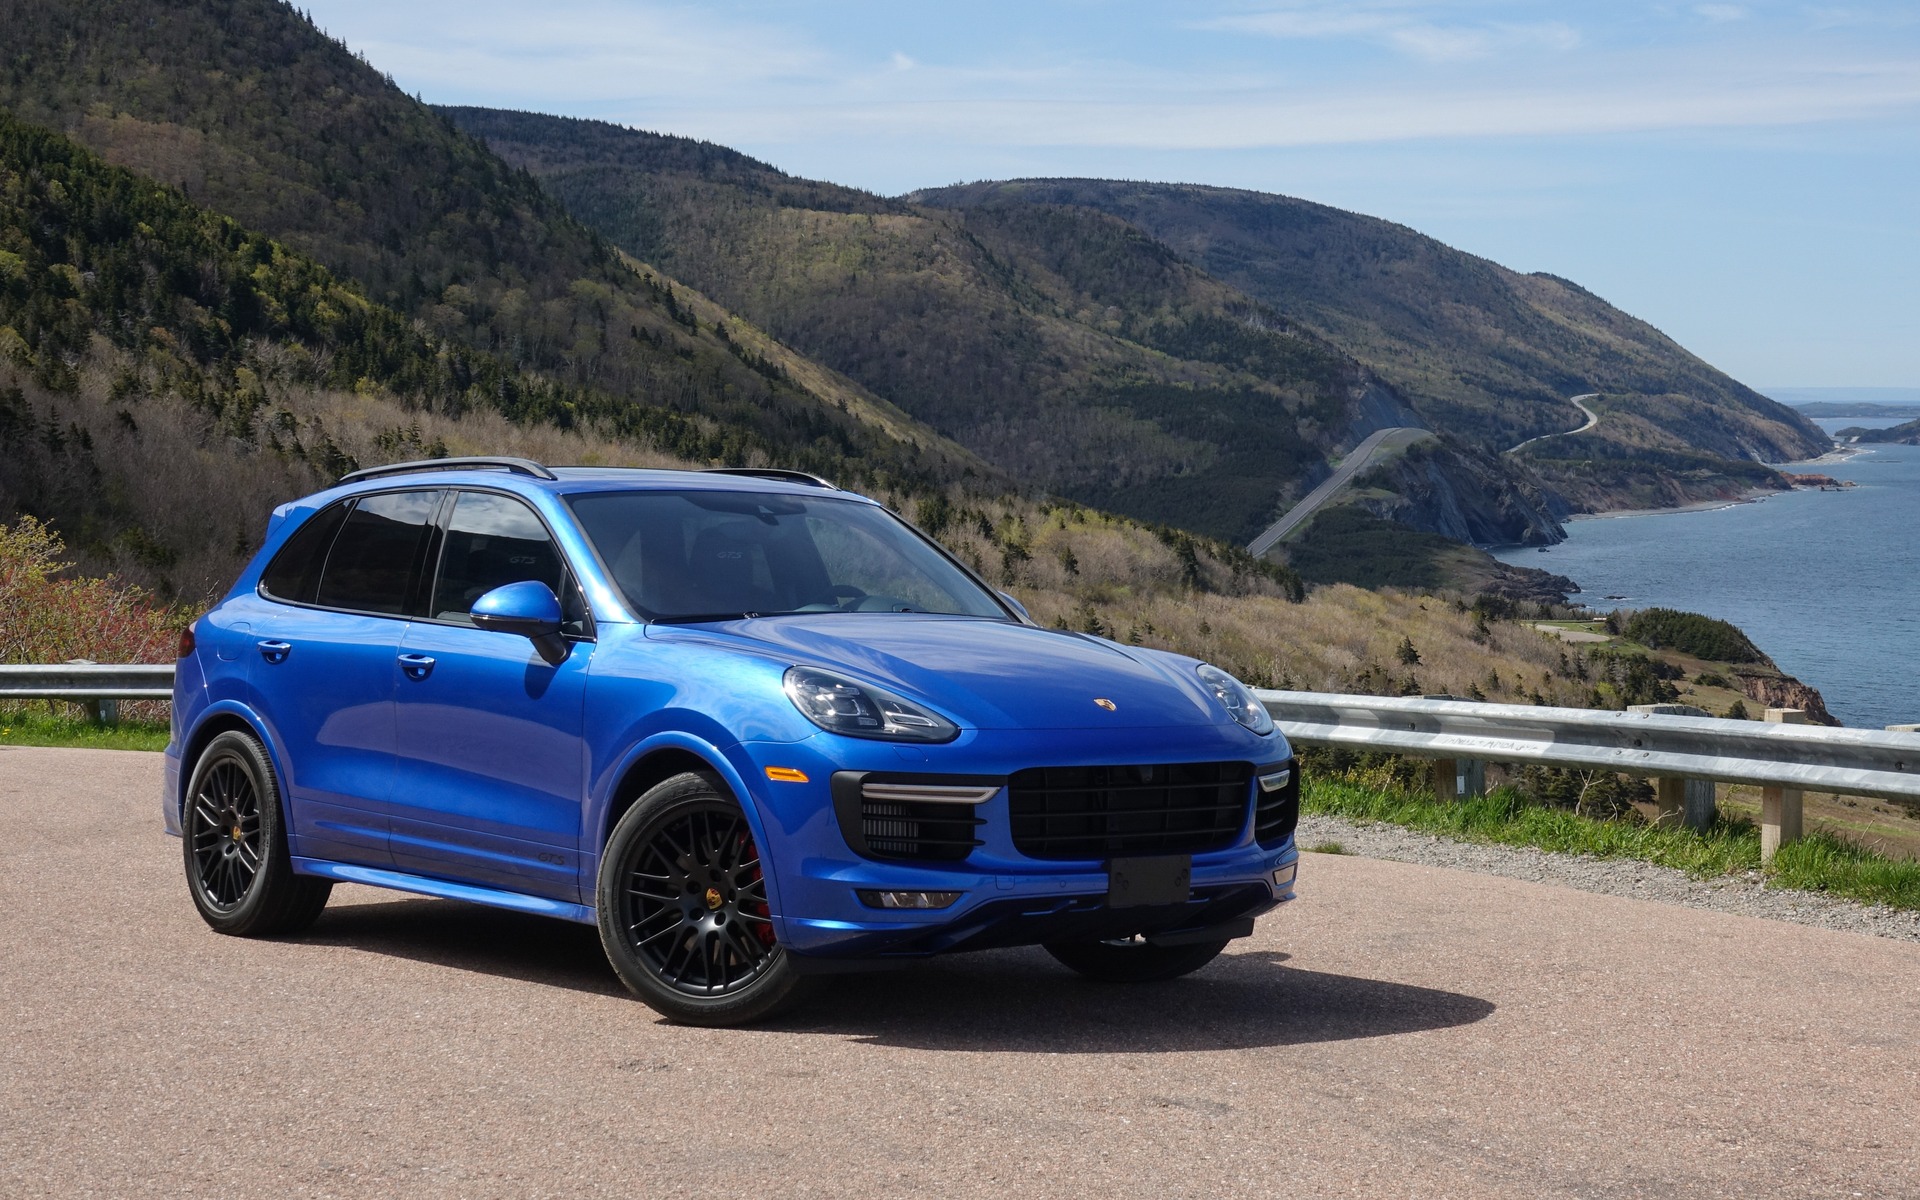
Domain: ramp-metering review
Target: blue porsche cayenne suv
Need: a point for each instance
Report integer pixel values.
(755, 728)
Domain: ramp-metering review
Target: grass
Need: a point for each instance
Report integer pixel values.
(28, 728)
(1817, 863)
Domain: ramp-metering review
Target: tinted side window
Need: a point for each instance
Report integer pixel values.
(374, 560)
(493, 540)
(294, 573)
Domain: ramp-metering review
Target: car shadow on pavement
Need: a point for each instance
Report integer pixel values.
(468, 937)
(1005, 1001)
(1021, 1001)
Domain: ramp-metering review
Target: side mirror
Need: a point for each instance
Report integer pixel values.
(1018, 607)
(528, 608)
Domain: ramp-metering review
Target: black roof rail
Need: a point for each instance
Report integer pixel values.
(773, 473)
(519, 466)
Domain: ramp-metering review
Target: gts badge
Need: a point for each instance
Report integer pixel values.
(551, 859)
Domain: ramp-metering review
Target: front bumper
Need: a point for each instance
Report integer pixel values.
(1006, 898)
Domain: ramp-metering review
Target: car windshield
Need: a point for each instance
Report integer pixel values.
(715, 555)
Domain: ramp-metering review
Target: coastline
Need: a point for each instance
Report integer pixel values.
(1839, 454)
(1750, 496)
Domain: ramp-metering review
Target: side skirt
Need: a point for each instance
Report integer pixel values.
(400, 881)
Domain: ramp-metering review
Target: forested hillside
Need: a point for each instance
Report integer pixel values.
(1000, 312)
(1063, 345)
(257, 115)
(1487, 353)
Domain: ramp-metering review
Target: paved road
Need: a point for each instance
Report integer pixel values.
(1378, 443)
(1579, 402)
(1400, 1031)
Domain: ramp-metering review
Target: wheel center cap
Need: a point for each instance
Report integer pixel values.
(714, 898)
(236, 833)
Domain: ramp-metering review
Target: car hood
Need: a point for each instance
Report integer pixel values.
(991, 674)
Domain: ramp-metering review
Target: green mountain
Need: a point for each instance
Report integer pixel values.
(1905, 434)
(1487, 353)
(1154, 322)
(153, 351)
(255, 114)
(1063, 345)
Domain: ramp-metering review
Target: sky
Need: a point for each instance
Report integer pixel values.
(1743, 175)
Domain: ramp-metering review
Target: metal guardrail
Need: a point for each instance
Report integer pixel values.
(98, 686)
(1783, 758)
(1814, 758)
(87, 681)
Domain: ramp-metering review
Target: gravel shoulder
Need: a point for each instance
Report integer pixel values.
(1744, 895)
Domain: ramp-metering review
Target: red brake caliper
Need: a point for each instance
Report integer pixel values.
(758, 908)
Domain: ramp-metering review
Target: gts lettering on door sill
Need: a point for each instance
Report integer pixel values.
(552, 859)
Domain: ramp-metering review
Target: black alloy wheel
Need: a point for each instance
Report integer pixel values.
(696, 903)
(683, 908)
(223, 834)
(233, 831)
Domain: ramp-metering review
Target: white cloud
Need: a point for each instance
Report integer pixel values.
(753, 83)
(1401, 27)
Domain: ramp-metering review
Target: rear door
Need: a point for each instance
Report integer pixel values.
(490, 773)
(324, 670)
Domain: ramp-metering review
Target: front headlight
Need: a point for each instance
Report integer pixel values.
(1238, 699)
(839, 705)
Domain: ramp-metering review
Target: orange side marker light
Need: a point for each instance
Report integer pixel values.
(786, 775)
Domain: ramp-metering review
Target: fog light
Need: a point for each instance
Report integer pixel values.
(1273, 781)
(1283, 877)
(907, 899)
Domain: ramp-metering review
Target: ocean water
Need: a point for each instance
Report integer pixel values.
(1827, 583)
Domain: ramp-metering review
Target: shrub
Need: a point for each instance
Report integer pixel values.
(1691, 633)
(45, 618)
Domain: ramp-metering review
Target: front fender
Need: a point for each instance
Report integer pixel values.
(730, 762)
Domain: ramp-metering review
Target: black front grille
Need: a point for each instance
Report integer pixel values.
(1100, 812)
(1277, 813)
(896, 829)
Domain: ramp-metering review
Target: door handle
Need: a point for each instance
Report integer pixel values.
(417, 666)
(275, 652)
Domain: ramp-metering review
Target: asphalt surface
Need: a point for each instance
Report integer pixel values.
(1579, 402)
(1399, 1031)
(1366, 452)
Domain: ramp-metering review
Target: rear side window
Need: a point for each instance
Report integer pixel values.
(294, 573)
(376, 556)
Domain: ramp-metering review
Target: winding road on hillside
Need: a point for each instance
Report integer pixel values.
(1377, 445)
(1579, 402)
(1400, 1030)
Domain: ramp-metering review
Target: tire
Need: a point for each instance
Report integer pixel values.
(683, 909)
(234, 841)
(1133, 960)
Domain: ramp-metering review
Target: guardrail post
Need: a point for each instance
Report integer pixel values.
(1780, 810)
(1699, 809)
(104, 712)
(1446, 780)
(1473, 775)
(1683, 801)
(1903, 729)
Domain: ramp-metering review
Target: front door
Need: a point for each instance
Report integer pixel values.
(491, 774)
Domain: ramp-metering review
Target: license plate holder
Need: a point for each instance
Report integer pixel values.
(1140, 882)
